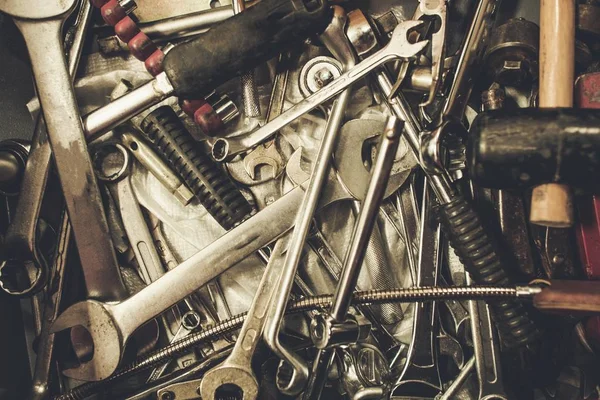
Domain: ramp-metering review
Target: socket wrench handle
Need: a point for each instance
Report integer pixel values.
(262, 31)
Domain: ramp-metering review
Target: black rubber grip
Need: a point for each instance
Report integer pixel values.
(202, 175)
(476, 250)
(512, 149)
(242, 42)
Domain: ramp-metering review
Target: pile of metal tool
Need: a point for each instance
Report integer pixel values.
(306, 199)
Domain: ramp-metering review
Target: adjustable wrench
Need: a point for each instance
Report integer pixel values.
(399, 47)
(237, 368)
(40, 22)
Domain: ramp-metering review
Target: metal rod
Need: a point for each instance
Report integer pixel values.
(301, 229)
(380, 174)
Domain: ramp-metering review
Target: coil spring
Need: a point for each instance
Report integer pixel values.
(227, 327)
(476, 250)
(208, 182)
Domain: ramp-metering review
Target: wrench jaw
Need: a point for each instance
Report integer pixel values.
(40, 10)
(401, 46)
(108, 342)
(291, 380)
(229, 381)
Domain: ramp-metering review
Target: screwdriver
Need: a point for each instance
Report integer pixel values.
(196, 67)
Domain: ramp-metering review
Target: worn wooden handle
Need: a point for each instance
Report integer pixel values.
(551, 204)
(570, 297)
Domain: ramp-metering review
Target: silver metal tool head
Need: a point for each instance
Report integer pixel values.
(37, 9)
(219, 383)
(95, 317)
(348, 158)
(401, 46)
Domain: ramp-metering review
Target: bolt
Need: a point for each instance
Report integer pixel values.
(558, 259)
(167, 396)
(323, 77)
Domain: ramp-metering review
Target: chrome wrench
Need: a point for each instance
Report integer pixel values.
(138, 234)
(421, 372)
(487, 352)
(21, 240)
(111, 324)
(399, 47)
(237, 368)
(41, 22)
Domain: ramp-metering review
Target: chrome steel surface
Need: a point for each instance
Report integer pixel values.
(41, 25)
(299, 369)
(421, 372)
(353, 260)
(21, 238)
(487, 352)
(236, 370)
(105, 118)
(113, 166)
(153, 163)
(111, 324)
(399, 47)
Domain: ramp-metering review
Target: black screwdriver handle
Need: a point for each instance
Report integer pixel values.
(242, 42)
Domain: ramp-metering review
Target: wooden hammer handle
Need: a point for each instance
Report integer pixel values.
(552, 204)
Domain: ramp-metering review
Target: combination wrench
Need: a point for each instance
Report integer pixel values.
(237, 368)
(21, 237)
(337, 318)
(421, 373)
(399, 47)
(41, 23)
(111, 324)
(487, 352)
(293, 383)
(334, 37)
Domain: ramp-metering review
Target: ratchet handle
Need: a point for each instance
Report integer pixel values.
(242, 42)
(477, 251)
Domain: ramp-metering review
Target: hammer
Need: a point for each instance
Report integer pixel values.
(552, 203)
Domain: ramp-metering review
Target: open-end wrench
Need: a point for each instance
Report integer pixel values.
(237, 368)
(188, 72)
(113, 166)
(399, 47)
(487, 352)
(41, 22)
(421, 373)
(111, 324)
(20, 240)
(322, 327)
(293, 383)
(43, 362)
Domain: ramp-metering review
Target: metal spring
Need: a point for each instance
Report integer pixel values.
(476, 250)
(417, 294)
